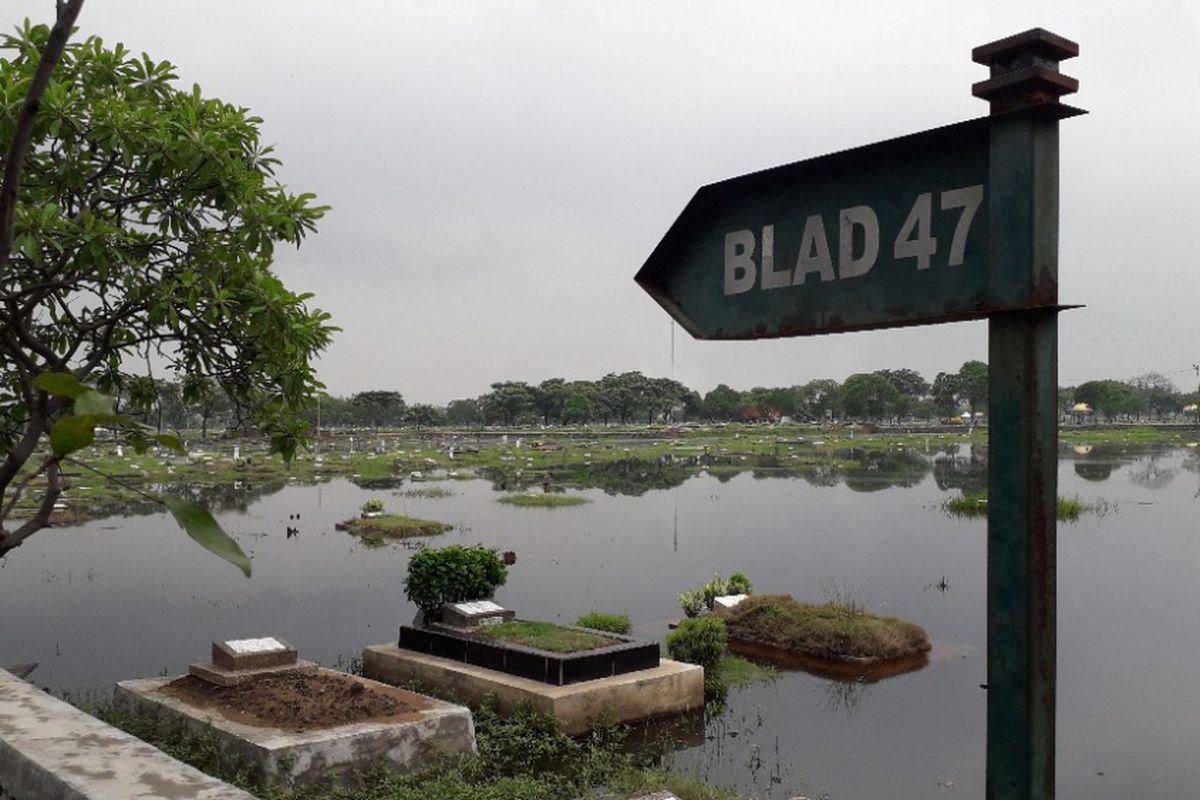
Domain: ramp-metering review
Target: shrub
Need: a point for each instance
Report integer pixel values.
(453, 574)
(699, 641)
(739, 584)
(372, 506)
(696, 601)
(692, 603)
(599, 621)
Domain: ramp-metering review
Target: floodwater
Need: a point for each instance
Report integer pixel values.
(133, 597)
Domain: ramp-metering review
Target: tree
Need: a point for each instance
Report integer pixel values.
(548, 398)
(577, 407)
(379, 407)
(973, 385)
(625, 395)
(819, 398)
(507, 402)
(907, 381)
(945, 392)
(664, 394)
(463, 412)
(204, 397)
(422, 415)
(721, 402)
(869, 395)
(136, 219)
(1109, 397)
(1158, 394)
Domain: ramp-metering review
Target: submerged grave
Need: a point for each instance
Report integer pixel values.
(841, 640)
(295, 722)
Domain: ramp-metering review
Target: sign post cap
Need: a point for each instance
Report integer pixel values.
(1024, 70)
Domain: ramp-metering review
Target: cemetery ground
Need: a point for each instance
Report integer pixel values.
(520, 756)
(106, 480)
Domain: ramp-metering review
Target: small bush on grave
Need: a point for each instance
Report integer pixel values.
(453, 574)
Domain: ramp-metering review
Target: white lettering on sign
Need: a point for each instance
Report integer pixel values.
(814, 251)
(849, 265)
(858, 237)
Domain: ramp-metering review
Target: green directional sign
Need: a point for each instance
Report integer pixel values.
(890, 234)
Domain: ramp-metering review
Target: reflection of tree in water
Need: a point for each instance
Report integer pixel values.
(873, 470)
(1149, 475)
(224, 496)
(377, 484)
(631, 476)
(821, 475)
(1192, 464)
(1097, 462)
(843, 697)
(965, 472)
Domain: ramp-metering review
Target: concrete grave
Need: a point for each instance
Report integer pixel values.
(429, 730)
(669, 688)
(626, 654)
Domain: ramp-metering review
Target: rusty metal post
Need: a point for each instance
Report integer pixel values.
(1022, 198)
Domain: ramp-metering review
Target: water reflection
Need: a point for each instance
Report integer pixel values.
(832, 669)
(843, 697)
(859, 469)
(874, 470)
(1151, 474)
(965, 472)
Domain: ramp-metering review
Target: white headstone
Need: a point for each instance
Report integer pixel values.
(246, 646)
(474, 607)
(727, 601)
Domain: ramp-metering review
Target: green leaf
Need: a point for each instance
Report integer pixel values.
(62, 384)
(200, 525)
(92, 402)
(71, 433)
(170, 442)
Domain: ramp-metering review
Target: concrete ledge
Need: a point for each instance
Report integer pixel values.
(297, 758)
(670, 688)
(50, 750)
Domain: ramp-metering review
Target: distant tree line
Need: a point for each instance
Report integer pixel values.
(886, 395)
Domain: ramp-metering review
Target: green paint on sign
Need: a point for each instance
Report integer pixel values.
(890, 234)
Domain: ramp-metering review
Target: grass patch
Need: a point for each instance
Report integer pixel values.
(377, 531)
(426, 492)
(736, 671)
(543, 500)
(967, 505)
(600, 621)
(830, 630)
(971, 506)
(546, 636)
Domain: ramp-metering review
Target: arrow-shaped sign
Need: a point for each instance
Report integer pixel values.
(890, 234)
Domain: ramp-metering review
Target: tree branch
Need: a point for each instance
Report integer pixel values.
(19, 147)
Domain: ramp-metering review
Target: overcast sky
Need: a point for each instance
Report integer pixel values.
(499, 171)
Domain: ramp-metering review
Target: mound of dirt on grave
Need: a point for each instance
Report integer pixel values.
(299, 701)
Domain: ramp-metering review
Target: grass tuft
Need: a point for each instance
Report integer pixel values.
(543, 500)
(378, 531)
(600, 621)
(546, 636)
